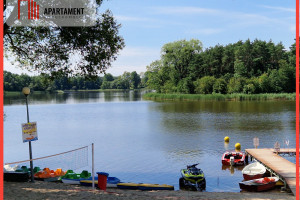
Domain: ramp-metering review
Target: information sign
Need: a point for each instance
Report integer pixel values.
(29, 132)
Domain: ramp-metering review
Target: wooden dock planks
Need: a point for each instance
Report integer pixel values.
(283, 167)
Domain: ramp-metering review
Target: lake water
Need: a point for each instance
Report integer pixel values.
(147, 141)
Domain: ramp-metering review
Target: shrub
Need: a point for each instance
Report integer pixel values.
(236, 85)
(204, 85)
(220, 86)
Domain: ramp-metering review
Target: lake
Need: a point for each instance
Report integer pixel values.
(146, 141)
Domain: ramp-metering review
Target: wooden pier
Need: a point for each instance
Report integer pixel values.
(277, 165)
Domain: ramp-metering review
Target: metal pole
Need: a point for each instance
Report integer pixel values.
(93, 168)
(30, 149)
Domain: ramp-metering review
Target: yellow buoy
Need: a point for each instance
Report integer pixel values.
(237, 146)
(226, 139)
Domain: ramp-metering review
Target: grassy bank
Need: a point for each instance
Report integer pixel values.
(220, 97)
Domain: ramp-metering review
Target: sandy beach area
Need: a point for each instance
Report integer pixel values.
(58, 191)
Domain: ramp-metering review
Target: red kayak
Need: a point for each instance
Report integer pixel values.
(233, 158)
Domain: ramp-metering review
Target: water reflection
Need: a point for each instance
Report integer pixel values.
(232, 169)
(240, 107)
(69, 97)
(226, 145)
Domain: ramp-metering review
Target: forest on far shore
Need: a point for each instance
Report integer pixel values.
(243, 67)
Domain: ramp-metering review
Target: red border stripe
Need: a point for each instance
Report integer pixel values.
(297, 99)
(1, 100)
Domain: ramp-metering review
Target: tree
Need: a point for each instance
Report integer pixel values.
(135, 80)
(236, 85)
(220, 86)
(156, 76)
(205, 85)
(178, 55)
(51, 50)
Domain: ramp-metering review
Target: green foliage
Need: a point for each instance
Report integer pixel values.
(204, 85)
(220, 86)
(168, 87)
(236, 85)
(243, 67)
(264, 83)
(240, 69)
(135, 80)
(156, 76)
(178, 55)
(14, 82)
(185, 86)
(220, 97)
(249, 89)
(50, 49)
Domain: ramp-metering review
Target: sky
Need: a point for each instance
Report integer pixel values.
(146, 25)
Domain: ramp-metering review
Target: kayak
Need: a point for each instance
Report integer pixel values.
(111, 182)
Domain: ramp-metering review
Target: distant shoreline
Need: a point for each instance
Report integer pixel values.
(63, 91)
(186, 97)
(221, 97)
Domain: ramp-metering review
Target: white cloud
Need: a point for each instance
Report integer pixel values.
(205, 31)
(293, 28)
(184, 10)
(293, 10)
(130, 18)
(134, 59)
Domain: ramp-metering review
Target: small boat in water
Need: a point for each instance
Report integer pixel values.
(111, 182)
(233, 158)
(253, 171)
(144, 186)
(258, 185)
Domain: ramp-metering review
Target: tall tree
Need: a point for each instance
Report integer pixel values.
(65, 51)
(178, 55)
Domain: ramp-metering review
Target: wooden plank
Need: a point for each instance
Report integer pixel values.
(283, 167)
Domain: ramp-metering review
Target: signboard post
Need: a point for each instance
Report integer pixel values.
(287, 142)
(256, 142)
(29, 132)
(277, 147)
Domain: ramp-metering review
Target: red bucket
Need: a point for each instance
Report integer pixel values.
(102, 180)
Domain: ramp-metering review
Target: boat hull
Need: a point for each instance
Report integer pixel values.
(239, 158)
(16, 176)
(71, 181)
(251, 177)
(253, 186)
(253, 171)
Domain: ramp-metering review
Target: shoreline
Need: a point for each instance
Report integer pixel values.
(52, 190)
(221, 97)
